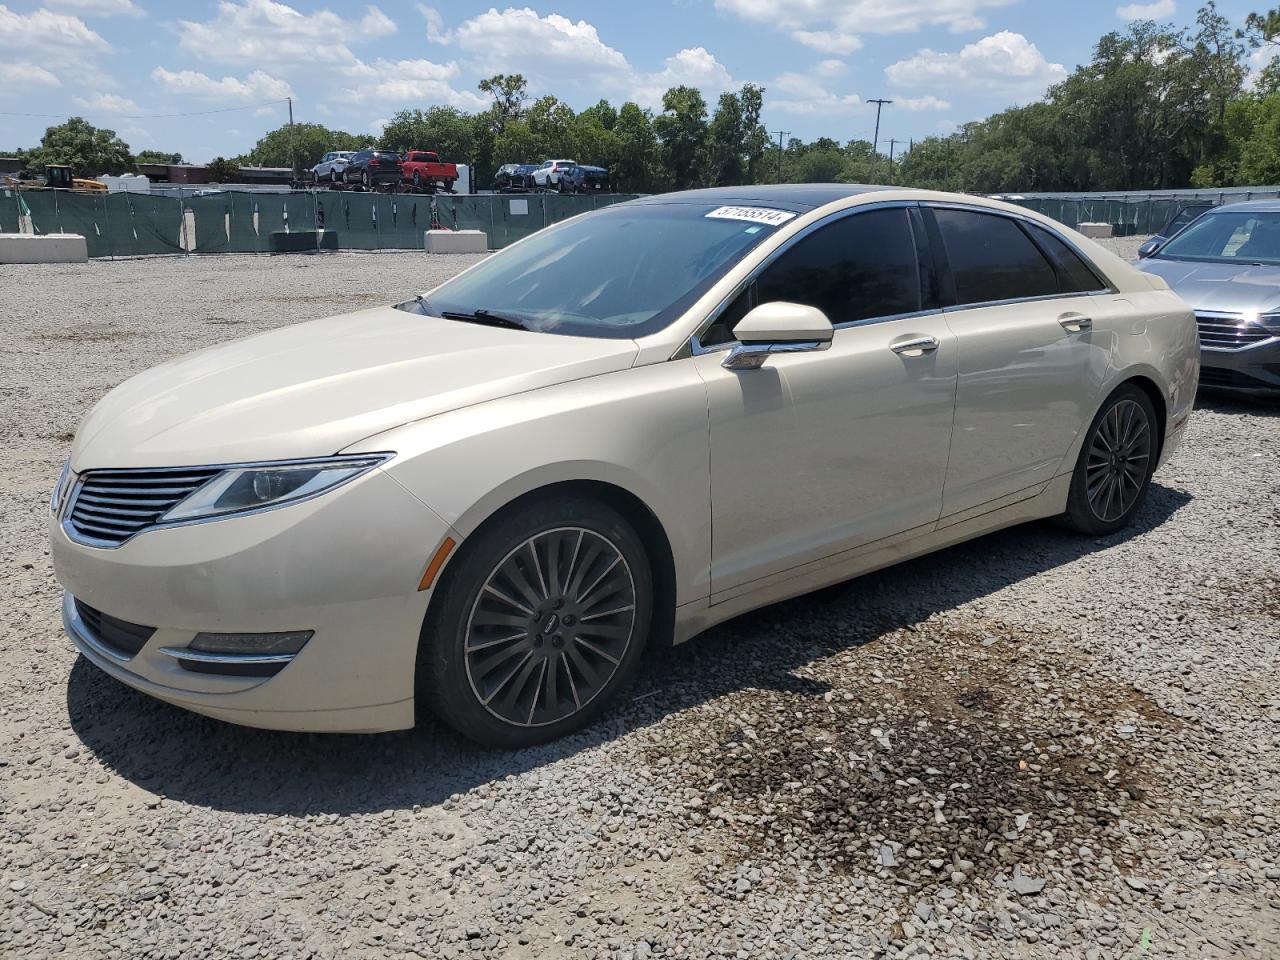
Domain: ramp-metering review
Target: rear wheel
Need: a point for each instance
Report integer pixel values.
(417, 179)
(1115, 464)
(365, 180)
(538, 624)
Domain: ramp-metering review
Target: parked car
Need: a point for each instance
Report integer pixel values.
(547, 175)
(1181, 217)
(331, 166)
(426, 171)
(490, 500)
(514, 178)
(1226, 266)
(372, 169)
(584, 179)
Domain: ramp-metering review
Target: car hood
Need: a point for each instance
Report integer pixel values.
(1225, 287)
(314, 388)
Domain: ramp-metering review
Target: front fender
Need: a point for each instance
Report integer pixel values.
(642, 430)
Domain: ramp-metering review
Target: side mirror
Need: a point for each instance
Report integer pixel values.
(778, 327)
(1149, 248)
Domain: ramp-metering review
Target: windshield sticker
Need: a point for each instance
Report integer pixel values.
(772, 218)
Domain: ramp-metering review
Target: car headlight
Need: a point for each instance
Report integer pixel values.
(258, 486)
(60, 488)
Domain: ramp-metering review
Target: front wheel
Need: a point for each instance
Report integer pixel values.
(1114, 468)
(537, 624)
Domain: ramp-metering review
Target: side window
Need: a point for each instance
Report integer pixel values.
(992, 259)
(859, 267)
(722, 330)
(1074, 275)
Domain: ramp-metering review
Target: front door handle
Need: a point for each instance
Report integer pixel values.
(915, 346)
(1075, 322)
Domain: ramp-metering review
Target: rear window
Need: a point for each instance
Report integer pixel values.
(992, 259)
(1074, 275)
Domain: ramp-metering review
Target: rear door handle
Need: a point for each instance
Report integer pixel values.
(915, 346)
(1075, 322)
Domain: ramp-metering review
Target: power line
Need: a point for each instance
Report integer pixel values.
(781, 134)
(875, 147)
(151, 116)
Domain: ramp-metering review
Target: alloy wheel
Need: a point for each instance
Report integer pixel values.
(1119, 456)
(550, 626)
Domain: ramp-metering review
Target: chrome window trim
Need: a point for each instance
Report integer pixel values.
(694, 346)
(75, 536)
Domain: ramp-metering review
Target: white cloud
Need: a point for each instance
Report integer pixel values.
(17, 77)
(834, 26)
(98, 8)
(436, 32)
(830, 68)
(45, 30)
(264, 32)
(1004, 62)
(545, 47)
(1159, 10)
(258, 85)
(691, 67)
(409, 81)
(106, 103)
(917, 104)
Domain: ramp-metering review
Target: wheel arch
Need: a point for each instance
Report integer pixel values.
(1148, 386)
(640, 515)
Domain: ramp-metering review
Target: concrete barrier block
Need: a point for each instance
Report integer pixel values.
(1096, 231)
(43, 248)
(455, 241)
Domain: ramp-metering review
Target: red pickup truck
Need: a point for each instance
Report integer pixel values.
(425, 170)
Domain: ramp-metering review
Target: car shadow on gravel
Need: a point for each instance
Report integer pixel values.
(177, 754)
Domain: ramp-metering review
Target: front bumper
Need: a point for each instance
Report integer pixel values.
(345, 565)
(1250, 370)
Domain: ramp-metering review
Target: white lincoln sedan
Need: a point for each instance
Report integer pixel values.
(487, 502)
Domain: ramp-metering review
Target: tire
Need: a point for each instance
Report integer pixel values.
(1115, 464)
(365, 180)
(417, 180)
(512, 674)
(333, 179)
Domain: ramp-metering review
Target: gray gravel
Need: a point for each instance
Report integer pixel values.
(1031, 745)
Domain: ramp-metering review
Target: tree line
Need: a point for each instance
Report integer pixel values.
(1155, 107)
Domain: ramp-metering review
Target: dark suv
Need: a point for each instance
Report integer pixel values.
(514, 178)
(584, 179)
(373, 168)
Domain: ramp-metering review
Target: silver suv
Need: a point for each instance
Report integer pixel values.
(331, 166)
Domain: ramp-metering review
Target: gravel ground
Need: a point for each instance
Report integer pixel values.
(1030, 745)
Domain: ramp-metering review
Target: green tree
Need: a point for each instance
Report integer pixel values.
(446, 130)
(754, 135)
(1262, 32)
(681, 128)
(723, 159)
(509, 92)
(639, 168)
(90, 151)
(301, 146)
(157, 156)
(222, 170)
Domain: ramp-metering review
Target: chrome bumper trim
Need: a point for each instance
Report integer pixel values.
(199, 656)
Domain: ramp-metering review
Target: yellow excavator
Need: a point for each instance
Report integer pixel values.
(56, 175)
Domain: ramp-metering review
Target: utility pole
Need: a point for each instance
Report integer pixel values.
(892, 144)
(875, 146)
(781, 134)
(293, 153)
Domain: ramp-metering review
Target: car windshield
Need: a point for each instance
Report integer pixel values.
(622, 272)
(1229, 237)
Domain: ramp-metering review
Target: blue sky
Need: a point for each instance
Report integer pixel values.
(126, 63)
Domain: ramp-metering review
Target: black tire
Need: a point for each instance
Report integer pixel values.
(1117, 459)
(334, 182)
(417, 179)
(365, 180)
(534, 705)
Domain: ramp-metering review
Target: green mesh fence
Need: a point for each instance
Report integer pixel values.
(9, 212)
(132, 224)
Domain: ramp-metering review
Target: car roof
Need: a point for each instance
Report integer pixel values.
(785, 196)
(1258, 206)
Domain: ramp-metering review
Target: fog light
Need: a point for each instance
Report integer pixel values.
(251, 644)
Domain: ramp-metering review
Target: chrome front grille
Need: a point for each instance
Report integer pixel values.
(1229, 331)
(110, 506)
